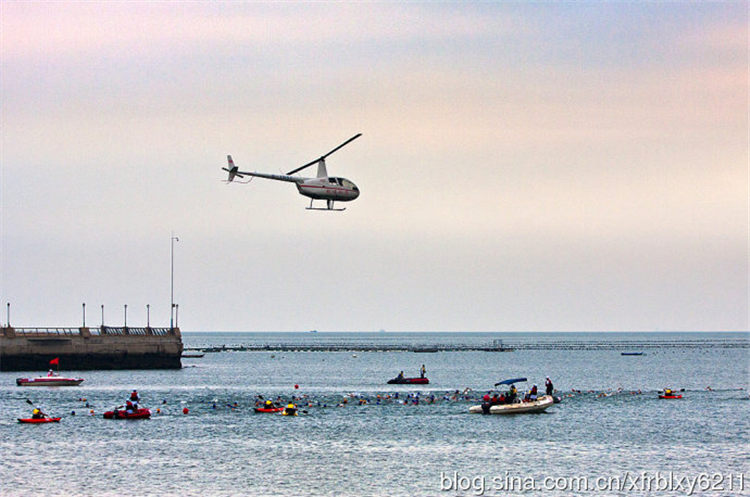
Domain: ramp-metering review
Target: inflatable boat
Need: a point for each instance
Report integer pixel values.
(531, 406)
(142, 413)
(408, 381)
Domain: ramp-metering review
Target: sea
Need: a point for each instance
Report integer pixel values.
(355, 435)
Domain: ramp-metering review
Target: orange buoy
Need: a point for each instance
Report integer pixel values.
(296, 387)
(185, 410)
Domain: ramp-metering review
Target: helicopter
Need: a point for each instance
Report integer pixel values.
(322, 187)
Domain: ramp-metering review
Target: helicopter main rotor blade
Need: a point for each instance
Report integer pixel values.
(322, 157)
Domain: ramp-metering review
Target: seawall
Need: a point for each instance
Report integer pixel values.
(31, 349)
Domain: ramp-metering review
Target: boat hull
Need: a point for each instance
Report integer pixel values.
(139, 414)
(38, 421)
(670, 396)
(261, 410)
(48, 381)
(409, 381)
(538, 405)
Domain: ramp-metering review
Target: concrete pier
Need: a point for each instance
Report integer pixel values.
(105, 347)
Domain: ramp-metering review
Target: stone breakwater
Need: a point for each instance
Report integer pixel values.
(31, 349)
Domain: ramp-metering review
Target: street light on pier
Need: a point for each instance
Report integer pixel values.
(84, 314)
(102, 315)
(126, 315)
(148, 315)
(172, 310)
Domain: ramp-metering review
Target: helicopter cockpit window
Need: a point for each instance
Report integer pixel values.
(332, 180)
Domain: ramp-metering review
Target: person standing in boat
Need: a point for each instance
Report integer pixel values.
(422, 371)
(512, 393)
(400, 376)
(549, 386)
(134, 399)
(50, 373)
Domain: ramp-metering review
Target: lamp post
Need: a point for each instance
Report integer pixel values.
(171, 282)
(126, 315)
(8, 314)
(84, 314)
(176, 311)
(102, 315)
(148, 315)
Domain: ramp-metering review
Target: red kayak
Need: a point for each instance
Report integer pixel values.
(662, 396)
(39, 420)
(139, 414)
(268, 409)
(407, 381)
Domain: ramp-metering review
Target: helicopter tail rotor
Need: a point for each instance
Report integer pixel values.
(232, 170)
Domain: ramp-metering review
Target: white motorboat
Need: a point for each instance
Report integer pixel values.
(530, 406)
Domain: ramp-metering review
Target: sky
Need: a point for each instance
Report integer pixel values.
(523, 166)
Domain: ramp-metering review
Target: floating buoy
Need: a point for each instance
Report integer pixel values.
(158, 411)
(185, 410)
(296, 387)
(72, 413)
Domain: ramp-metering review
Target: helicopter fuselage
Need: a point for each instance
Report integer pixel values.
(329, 188)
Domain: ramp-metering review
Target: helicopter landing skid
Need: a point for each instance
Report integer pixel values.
(324, 209)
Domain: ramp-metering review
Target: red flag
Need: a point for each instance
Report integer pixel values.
(55, 362)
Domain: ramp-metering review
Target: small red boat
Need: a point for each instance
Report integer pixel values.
(38, 420)
(673, 396)
(408, 381)
(268, 409)
(142, 413)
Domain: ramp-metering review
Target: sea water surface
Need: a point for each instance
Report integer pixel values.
(355, 438)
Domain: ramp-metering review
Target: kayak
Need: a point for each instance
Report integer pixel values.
(408, 381)
(38, 420)
(142, 413)
(48, 381)
(538, 405)
(268, 409)
(663, 396)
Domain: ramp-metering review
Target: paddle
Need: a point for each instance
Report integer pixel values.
(32, 404)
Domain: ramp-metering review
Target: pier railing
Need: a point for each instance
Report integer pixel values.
(47, 331)
(58, 331)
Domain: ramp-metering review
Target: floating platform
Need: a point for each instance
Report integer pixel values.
(31, 349)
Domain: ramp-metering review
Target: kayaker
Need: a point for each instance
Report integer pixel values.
(290, 409)
(422, 371)
(37, 414)
(549, 387)
(400, 376)
(269, 404)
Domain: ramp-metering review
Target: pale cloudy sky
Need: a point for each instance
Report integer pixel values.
(523, 166)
